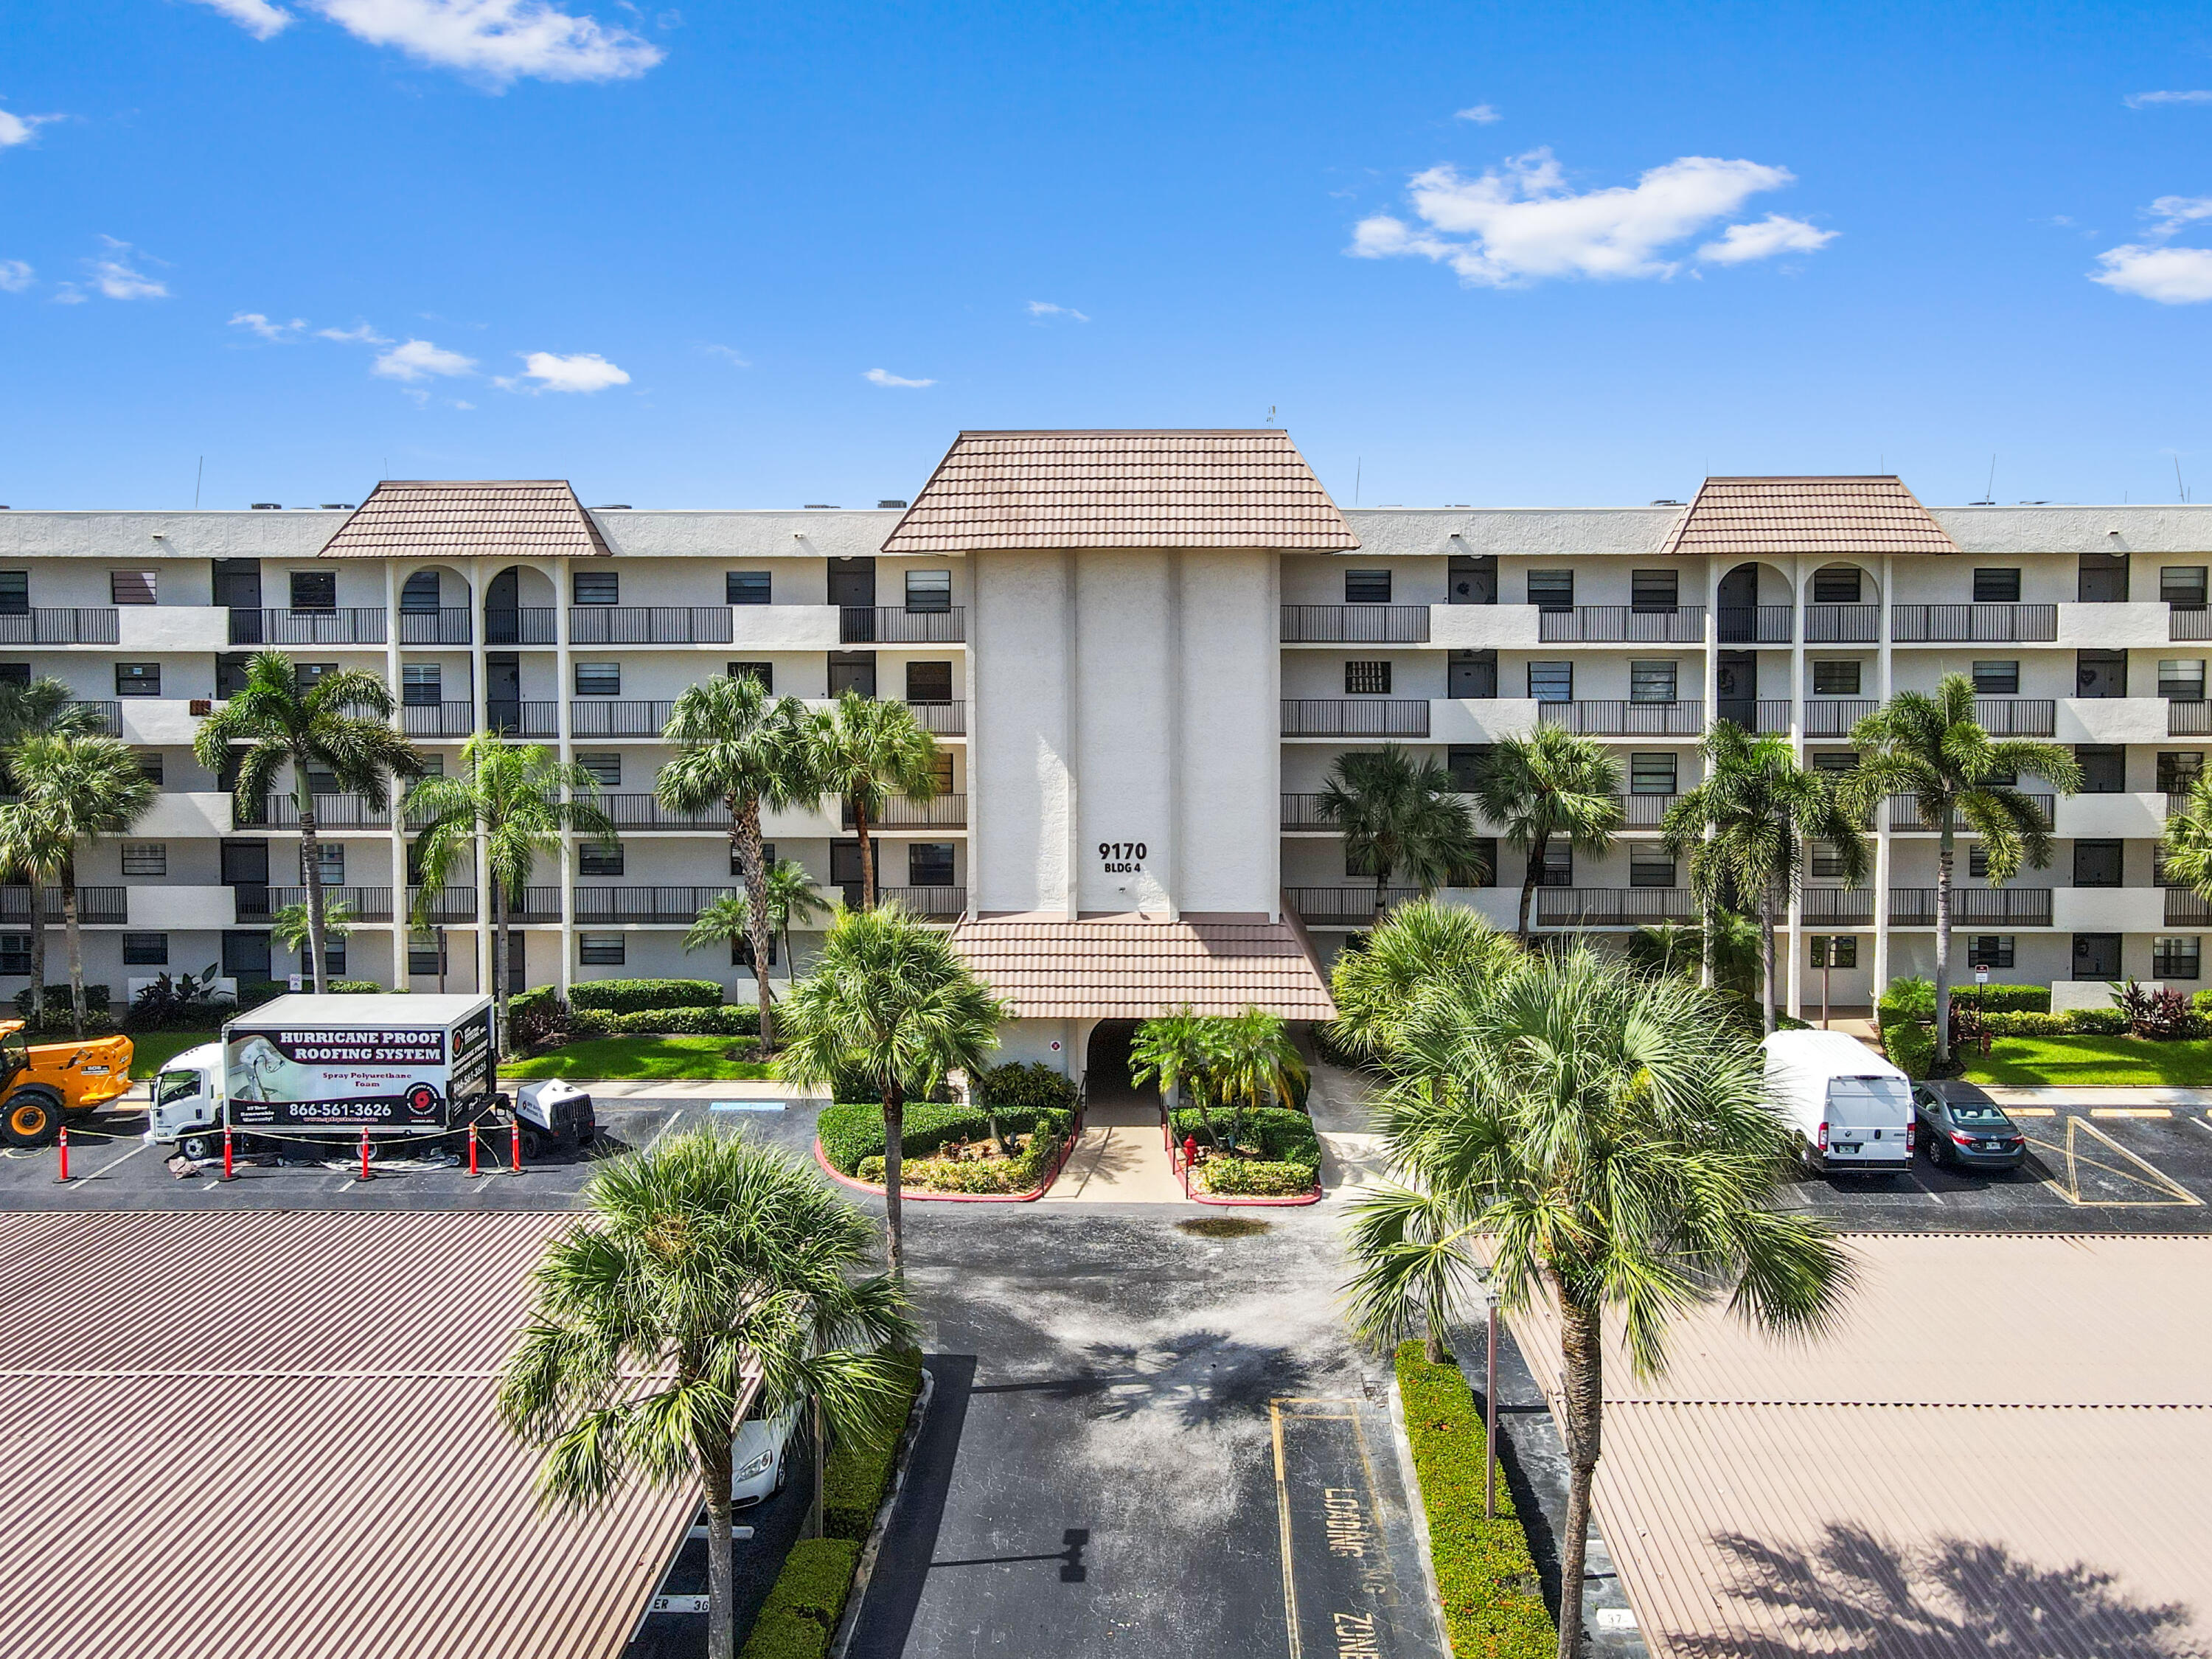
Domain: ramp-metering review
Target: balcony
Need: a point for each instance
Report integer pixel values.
(332, 813)
(1646, 812)
(946, 812)
(649, 624)
(943, 720)
(43, 626)
(1904, 812)
(1835, 718)
(110, 715)
(1355, 717)
(438, 720)
(1769, 716)
(1614, 907)
(2186, 910)
(595, 905)
(1356, 624)
(366, 903)
(890, 624)
(1345, 907)
(2189, 720)
(1842, 624)
(529, 624)
(1756, 624)
(1622, 624)
(932, 904)
(595, 719)
(2189, 625)
(94, 906)
(353, 624)
(1836, 905)
(2017, 717)
(1615, 719)
(522, 720)
(453, 904)
(640, 812)
(1974, 625)
(449, 625)
(1303, 812)
(2025, 907)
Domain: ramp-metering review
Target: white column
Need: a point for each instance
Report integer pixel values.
(399, 981)
(566, 741)
(1885, 688)
(1789, 947)
(480, 928)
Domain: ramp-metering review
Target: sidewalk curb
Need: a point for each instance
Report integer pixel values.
(855, 1602)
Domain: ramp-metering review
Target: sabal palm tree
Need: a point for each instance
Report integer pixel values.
(1258, 1063)
(1747, 830)
(888, 999)
(1674, 947)
(793, 901)
(2187, 845)
(1935, 750)
(340, 724)
(1554, 786)
(77, 789)
(513, 801)
(743, 750)
(1179, 1051)
(701, 1263)
(289, 924)
(1413, 947)
(1604, 1135)
(1398, 813)
(864, 752)
(33, 848)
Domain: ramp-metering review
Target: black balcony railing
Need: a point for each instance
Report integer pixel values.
(945, 720)
(1344, 907)
(2186, 910)
(105, 905)
(449, 625)
(332, 813)
(591, 718)
(1614, 907)
(1622, 624)
(1904, 812)
(1644, 811)
(1753, 624)
(1833, 717)
(600, 904)
(642, 811)
(890, 624)
(1763, 714)
(437, 719)
(1303, 812)
(1832, 904)
(1614, 718)
(110, 715)
(2189, 625)
(1355, 717)
(1355, 624)
(649, 624)
(2017, 717)
(2027, 907)
(1842, 624)
(1963, 624)
(937, 903)
(529, 624)
(947, 812)
(352, 624)
(366, 903)
(452, 904)
(43, 626)
(522, 720)
(2189, 720)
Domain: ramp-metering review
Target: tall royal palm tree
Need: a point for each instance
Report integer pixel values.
(1417, 946)
(1399, 814)
(1747, 831)
(1555, 786)
(513, 801)
(340, 724)
(864, 752)
(1602, 1135)
(700, 1263)
(742, 749)
(1934, 749)
(75, 789)
(888, 999)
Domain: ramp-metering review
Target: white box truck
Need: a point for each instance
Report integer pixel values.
(1851, 1109)
(327, 1068)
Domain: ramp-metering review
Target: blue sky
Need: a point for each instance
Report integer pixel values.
(1465, 253)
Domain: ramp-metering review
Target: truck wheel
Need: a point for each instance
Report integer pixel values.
(200, 1148)
(31, 1117)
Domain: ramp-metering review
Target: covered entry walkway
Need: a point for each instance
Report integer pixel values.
(1119, 1159)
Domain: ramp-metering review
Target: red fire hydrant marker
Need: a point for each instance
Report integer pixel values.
(365, 1175)
(64, 1173)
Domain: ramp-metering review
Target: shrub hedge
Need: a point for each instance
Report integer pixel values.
(1915, 999)
(1493, 1601)
(627, 996)
(1032, 1086)
(1234, 1177)
(57, 996)
(947, 1174)
(852, 1130)
(1910, 1045)
(856, 1476)
(693, 1021)
(1289, 1159)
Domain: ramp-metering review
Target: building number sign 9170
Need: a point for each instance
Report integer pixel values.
(1122, 857)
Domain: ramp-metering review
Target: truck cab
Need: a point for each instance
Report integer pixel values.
(187, 1104)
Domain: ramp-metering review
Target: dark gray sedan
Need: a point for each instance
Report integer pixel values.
(1967, 1135)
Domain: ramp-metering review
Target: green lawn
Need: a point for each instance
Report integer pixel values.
(151, 1050)
(639, 1057)
(2092, 1062)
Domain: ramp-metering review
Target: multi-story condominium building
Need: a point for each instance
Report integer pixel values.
(1140, 652)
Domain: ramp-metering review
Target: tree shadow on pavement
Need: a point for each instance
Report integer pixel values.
(1202, 1376)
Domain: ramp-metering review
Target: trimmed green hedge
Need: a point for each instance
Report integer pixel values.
(726, 1021)
(1233, 1177)
(856, 1477)
(1915, 999)
(1910, 1045)
(627, 996)
(1493, 1600)
(852, 1130)
(1283, 1136)
(1031, 1086)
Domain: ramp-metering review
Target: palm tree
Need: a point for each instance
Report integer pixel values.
(77, 789)
(1747, 831)
(1258, 1063)
(703, 1263)
(1555, 786)
(1398, 813)
(1935, 750)
(791, 899)
(340, 724)
(1181, 1050)
(1604, 1134)
(1416, 946)
(289, 924)
(890, 1000)
(1672, 947)
(2187, 846)
(864, 752)
(44, 706)
(743, 750)
(514, 800)
(32, 850)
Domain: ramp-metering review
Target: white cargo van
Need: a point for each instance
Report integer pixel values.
(1851, 1109)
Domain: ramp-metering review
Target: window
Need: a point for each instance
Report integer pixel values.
(929, 590)
(15, 953)
(1978, 862)
(599, 949)
(1367, 588)
(2098, 863)
(1552, 682)
(737, 862)
(748, 587)
(245, 956)
(331, 856)
(311, 674)
(1997, 680)
(314, 590)
(1654, 590)
(1651, 774)
(854, 671)
(2182, 587)
(426, 953)
(418, 594)
(15, 673)
(598, 679)
(596, 586)
(606, 769)
(320, 782)
(1465, 761)
(1834, 762)
(138, 679)
(1836, 679)
(741, 951)
(1838, 585)
(1367, 679)
(131, 587)
(763, 671)
(929, 682)
(150, 765)
(1558, 865)
(1828, 862)
(1651, 681)
(1989, 950)
(230, 674)
(2181, 680)
(145, 858)
(2170, 958)
(2104, 767)
(2178, 770)
(1996, 587)
(419, 685)
(15, 592)
(597, 859)
(1552, 590)
(1479, 872)
(1471, 674)
(1650, 866)
(1832, 951)
(145, 950)
(929, 864)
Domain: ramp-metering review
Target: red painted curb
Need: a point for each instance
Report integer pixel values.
(1228, 1201)
(914, 1196)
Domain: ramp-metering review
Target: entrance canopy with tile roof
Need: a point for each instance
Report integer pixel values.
(1131, 968)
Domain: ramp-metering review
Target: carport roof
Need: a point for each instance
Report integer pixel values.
(1131, 968)
(452, 519)
(266, 1432)
(1824, 517)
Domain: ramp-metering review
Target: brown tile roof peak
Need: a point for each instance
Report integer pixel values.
(433, 519)
(1134, 968)
(1835, 516)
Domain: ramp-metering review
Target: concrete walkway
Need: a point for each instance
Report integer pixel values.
(1119, 1159)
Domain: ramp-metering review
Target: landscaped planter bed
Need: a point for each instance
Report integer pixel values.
(944, 1151)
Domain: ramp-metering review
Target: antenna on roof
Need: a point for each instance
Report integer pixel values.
(1270, 420)
(1359, 466)
(1989, 488)
(199, 473)
(2179, 488)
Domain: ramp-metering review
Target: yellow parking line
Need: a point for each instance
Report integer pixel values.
(2130, 1111)
(2031, 1111)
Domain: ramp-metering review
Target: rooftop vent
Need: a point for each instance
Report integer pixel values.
(612, 507)
(337, 506)
(269, 507)
(1666, 503)
(891, 503)
(821, 507)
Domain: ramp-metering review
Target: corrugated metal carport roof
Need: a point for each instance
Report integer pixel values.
(266, 1432)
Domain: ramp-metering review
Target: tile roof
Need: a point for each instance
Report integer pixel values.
(1131, 968)
(438, 518)
(1102, 489)
(1751, 517)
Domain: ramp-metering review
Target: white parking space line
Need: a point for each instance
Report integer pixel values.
(111, 1163)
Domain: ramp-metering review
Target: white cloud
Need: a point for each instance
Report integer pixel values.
(257, 17)
(418, 359)
(728, 354)
(497, 41)
(885, 377)
(120, 281)
(267, 330)
(20, 129)
(15, 276)
(1482, 114)
(2145, 100)
(586, 371)
(1046, 308)
(2170, 276)
(2177, 212)
(1520, 223)
(1772, 235)
(360, 334)
(69, 294)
